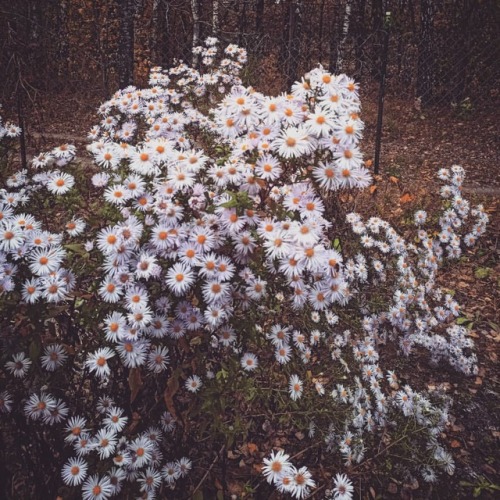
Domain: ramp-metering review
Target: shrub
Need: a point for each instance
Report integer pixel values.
(209, 269)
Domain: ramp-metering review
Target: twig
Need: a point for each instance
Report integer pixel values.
(317, 490)
(301, 452)
(198, 486)
(385, 449)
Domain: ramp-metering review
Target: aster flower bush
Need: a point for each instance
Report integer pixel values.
(222, 271)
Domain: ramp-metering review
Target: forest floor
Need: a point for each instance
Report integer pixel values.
(415, 145)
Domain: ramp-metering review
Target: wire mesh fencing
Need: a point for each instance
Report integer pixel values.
(441, 55)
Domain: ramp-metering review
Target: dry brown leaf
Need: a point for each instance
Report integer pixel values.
(252, 447)
(373, 188)
(134, 382)
(258, 467)
(169, 393)
(406, 198)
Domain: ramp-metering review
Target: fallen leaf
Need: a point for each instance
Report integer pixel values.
(393, 179)
(455, 444)
(257, 467)
(169, 393)
(488, 469)
(373, 188)
(406, 198)
(134, 382)
(252, 447)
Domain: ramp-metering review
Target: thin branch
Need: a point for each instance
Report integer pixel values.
(198, 486)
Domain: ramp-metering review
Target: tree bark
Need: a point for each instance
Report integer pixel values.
(462, 55)
(97, 30)
(242, 23)
(259, 16)
(321, 25)
(126, 59)
(160, 47)
(334, 38)
(425, 70)
(345, 31)
(195, 10)
(215, 18)
(360, 36)
(62, 39)
(293, 43)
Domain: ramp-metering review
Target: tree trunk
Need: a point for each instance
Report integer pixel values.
(195, 10)
(215, 18)
(293, 42)
(97, 30)
(334, 38)
(62, 39)
(425, 70)
(36, 57)
(259, 16)
(457, 89)
(156, 32)
(242, 23)
(320, 27)
(360, 36)
(345, 31)
(160, 47)
(126, 59)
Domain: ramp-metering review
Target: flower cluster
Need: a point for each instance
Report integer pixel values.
(8, 129)
(135, 460)
(280, 472)
(222, 241)
(411, 318)
(24, 243)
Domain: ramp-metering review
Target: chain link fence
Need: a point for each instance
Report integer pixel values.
(445, 58)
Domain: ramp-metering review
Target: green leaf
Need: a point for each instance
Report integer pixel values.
(76, 248)
(233, 203)
(482, 272)
(494, 326)
(198, 495)
(463, 320)
(337, 245)
(222, 374)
